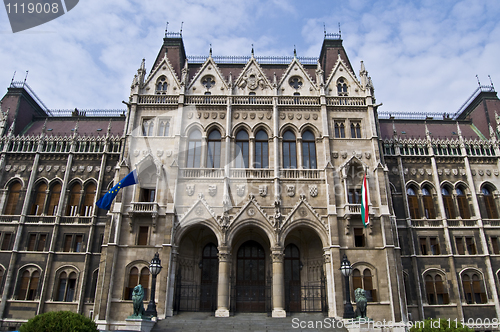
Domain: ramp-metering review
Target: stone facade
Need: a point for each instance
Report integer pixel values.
(250, 173)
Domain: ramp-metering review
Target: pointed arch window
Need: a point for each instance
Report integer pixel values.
(355, 130)
(339, 129)
(308, 150)
(147, 127)
(161, 85)
(55, 195)
(463, 203)
(413, 203)
(241, 160)
(436, 290)
(489, 202)
(289, 150)
(449, 209)
(164, 128)
(28, 286)
(429, 210)
(67, 287)
(13, 198)
(194, 149)
(364, 281)
(473, 288)
(88, 200)
(214, 144)
(74, 200)
(342, 87)
(39, 199)
(261, 150)
(137, 278)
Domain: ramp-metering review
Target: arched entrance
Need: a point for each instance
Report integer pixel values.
(250, 290)
(197, 271)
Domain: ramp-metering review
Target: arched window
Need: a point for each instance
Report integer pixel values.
(147, 127)
(1, 280)
(164, 128)
(261, 150)
(194, 149)
(436, 290)
(241, 160)
(289, 150)
(449, 209)
(74, 200)
(339, 129)
(365, 282)
(463, 204)
(28, 286)
(161, 85)
(342, 87)
(93, 286)
(473, 288)
(489, 203)
(39, 199)
(308, 150)
(135, 278)
(13, 198)
(428, 204)
(413, 203)
(214, 141)
(67, 286)
(55, 195)
(88, 200)
(355, 130)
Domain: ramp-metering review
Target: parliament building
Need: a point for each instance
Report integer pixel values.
(250, 171)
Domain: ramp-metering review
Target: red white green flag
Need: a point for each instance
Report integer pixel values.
(364, 203)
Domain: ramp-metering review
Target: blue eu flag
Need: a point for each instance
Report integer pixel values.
(107, 199)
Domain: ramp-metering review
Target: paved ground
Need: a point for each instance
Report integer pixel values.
(202, 321)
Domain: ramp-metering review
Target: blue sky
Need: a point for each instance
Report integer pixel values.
(421, 55)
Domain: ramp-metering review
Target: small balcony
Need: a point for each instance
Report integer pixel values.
(426, 223)
(76, 220)
(353, 208)
(301, 174)
(197, 173)
(150, 208)
(462, 223)
(9, 219)
(41, 219)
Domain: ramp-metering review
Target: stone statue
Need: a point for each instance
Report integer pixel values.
(137, 299)
(360, 297)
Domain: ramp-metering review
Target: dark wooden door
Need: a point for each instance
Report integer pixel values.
(209, 278)
(292, 278)
(250, 278)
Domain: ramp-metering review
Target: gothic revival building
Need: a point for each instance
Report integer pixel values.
(250, 174)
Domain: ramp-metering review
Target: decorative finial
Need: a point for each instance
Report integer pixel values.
(13, 77)
(44, 126)
(252, 50)
(294, 51)
(491, 82)
(210, 50)
(25, 78)
(324, 28)
(109, 127)
(166, 29)
(478, 83)
(340, 32)
(182, 23)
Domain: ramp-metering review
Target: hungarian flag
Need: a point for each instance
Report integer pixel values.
(364, 203)
(106, 200)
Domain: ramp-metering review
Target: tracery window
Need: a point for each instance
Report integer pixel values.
(88, 200)
(55, 195)
(449, 209)
(137, 277)
(473, 288)
(463, 204)
(28, 285)
(39, 199)
(164, 128)
(342, 87)
(364, 281)
(289, 150)
(74, 200)
(308, 150)
(13, 198)
(355, 130)
(428, 204)
(339, 129)
(214, 145)
(436, 290)
(66, 287)
(161, 85)
(194, 149)
(489, 202)
(413, 203)
(241, 160)
(147, 127)
(261, 150)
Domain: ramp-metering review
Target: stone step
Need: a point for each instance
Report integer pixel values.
(206, 322)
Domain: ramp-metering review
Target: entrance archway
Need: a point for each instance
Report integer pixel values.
(250, 289)
(197, 272)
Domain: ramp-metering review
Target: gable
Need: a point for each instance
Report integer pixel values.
(342, 74)
(296, 80)
(199, 210)
(208, 79)
(163, 73)
(252, 80)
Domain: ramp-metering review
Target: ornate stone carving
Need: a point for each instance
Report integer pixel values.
(290, 116)
(206, 115)
(313, 190)
(137, 153)
(303, 212)
(282, 116)
(81, 169)
(251, 212)
(440, 172)
(48, 168)
(108, 169)
(290, 190)
(454, 171)
(214, 115)
(40, 168)
(212, 190)
(335, 154)
(327, 257)
(252, 115)
(222, 115)
(240, 190)
(462, 171)
(480, 172)
(277, 256)
(488, 172)
(447, 171)
(260, 116)
(63, 169)
(15, 168)
(22, 168)
(473, 172)
(269, 115)
(421, 171)
(495, 172)
(190, 115)
(263, 190)
(307, 116)
(159, 152)
(224, 256)
(89, 168)
(315, 116)
(368, 155)
(199, 210)
(413, 171)
(298, 116)
(236, 115)
(405, 170)
(244, 115)
(190, 189)
(429, 171)
(394, 170)
(343, 154)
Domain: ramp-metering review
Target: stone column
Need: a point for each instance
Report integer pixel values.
(330, 284)
(223, 284)
(277, 256)
(174, 255)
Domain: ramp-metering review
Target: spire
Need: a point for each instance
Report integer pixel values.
(459, 131)
(294, 51)
(143, 64)
(252, 50)
(478, 83)
(109, 128)
(275, 81)
(427, 132)
(210, 54)
(319, 74)
(11, 128)
(230, 79)
(184, 77)
(363, 75)
(491, 82)
(492, 132)
(166, 30)
(44, 126)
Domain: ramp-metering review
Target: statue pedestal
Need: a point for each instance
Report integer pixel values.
(142, 325)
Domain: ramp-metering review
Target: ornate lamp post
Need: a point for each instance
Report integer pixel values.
(346, 269)
(154, 268)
